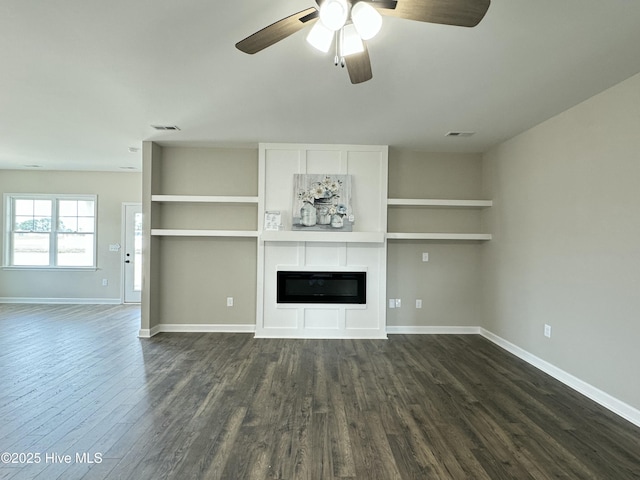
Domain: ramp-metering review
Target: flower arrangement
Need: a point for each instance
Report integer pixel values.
(339, 209)
(328, 188)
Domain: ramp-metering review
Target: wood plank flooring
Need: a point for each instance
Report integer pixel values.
(77, 380)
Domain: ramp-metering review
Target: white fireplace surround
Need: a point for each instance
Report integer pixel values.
(363, 249)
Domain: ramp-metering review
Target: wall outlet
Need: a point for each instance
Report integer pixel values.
(392, 303)
(398, 303)
(105, 282)
(229, 301)
(425, 256)
(547, 330)
(418, 303)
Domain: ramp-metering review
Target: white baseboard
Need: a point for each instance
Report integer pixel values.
(417, 330)
(149, 332)
(196, 328)
(611, 403)
(62, 301)
(309, 336)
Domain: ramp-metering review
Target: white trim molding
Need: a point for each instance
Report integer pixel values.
(195, 328)
(618, 407)
(149, 332)
(422, 330)
(62, 301)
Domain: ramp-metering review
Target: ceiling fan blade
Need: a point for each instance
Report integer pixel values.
(461, 13)
(359, 66)
(277, 31)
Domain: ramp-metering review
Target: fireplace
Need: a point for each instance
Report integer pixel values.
(321, 287)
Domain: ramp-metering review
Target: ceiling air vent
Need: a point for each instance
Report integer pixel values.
(165, 127)
(459, 134)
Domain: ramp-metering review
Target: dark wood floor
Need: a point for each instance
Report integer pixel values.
(77, 380)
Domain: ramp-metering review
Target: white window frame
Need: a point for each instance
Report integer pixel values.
(9, 199)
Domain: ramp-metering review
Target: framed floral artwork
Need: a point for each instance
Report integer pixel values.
(322, 202)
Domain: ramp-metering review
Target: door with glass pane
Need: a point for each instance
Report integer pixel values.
(132, 254)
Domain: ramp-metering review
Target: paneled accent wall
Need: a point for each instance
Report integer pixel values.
(364, 249)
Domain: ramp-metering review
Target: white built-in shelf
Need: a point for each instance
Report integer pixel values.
(438, 236)
(444, 203)
(167, 232)
(438, 203)
(338, 237)
(203, 199)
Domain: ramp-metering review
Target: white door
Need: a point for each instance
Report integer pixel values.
(132, 254)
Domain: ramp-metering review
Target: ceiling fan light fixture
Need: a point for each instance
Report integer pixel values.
(351, 41)
(320, 37)
(366, 19)
(334, 13)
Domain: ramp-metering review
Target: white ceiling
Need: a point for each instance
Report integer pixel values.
(81, 81)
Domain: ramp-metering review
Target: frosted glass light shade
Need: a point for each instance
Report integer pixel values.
(320, 37)
(334, 13)
(366, 19)
(351, 41)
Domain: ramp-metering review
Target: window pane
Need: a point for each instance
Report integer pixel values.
(42, 208)
(68, 224)
(137, 259)
(24, 224)
(30, 249)
(67, 208)
(42, 224)
(30, 224)
(86, 208)
(24, 207)
(75, 250)
(86, 224)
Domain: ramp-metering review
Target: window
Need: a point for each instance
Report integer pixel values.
(50, 231)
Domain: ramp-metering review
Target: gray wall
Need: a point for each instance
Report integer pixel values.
(449, 283)
(113, 189)
(566, 247)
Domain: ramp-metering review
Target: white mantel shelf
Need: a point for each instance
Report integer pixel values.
(439, 236)
(432, 202)
(336, 237)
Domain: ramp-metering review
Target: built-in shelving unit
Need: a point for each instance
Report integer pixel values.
(203, 199)
(438, 204)
(205, 209)
(200, 207)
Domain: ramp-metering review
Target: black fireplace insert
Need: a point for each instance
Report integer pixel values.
(322, 287)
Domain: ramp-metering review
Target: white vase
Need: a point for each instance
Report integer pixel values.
(322, 206)
(308, 215)
(336, 221)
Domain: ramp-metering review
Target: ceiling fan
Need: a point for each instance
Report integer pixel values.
(351, 22)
